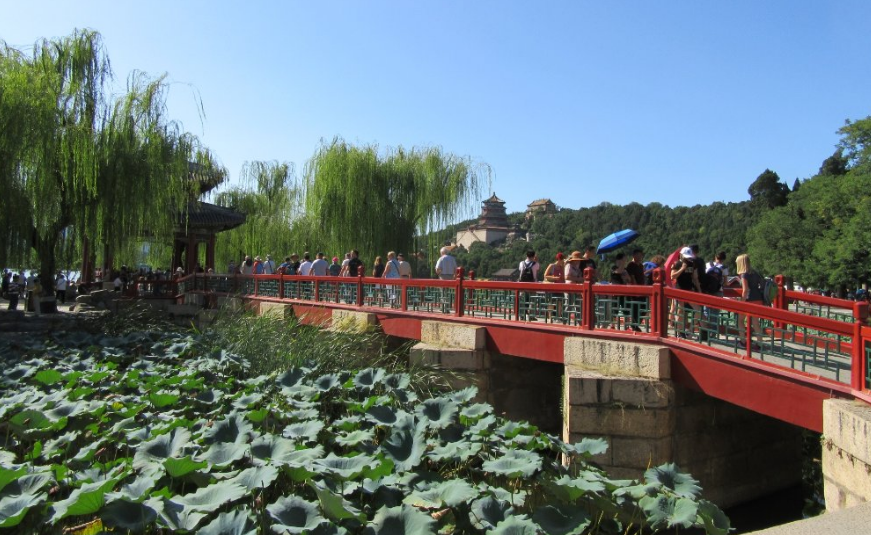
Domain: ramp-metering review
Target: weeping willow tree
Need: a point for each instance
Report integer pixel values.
(77, 162)
(379, 200)
(271, 200)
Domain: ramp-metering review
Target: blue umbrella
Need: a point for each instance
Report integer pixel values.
(617, 240)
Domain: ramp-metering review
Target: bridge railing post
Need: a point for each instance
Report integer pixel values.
(859, 361)
(458, 296)
(588, 300)
(360, 288)
(659, 305)
(281, 286)
(256, 285)
(780, 300)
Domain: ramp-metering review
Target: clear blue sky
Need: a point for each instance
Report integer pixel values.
(681, 103)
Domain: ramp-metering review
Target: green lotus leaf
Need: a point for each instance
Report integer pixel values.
(448, 493)
(237, 522)
(87, 453)
(440, 412)
(348, 423)
(257, 416)
(224, 453)
(562, 520)
(85, 500)
(59, 445)
(345, 467)
(669, 477)
(368, 378)
(475, 411)
(11, 474)
(162, 447)
(81, 392)
(587, 447)
(484, 426)
(335, 507)
(211, 396)
(256, 477)
(454, 451)
(27, 484)
(68, 409)
(397, 381)
(136, 491)
(510, 429)
(382, 415)
(175, 516)
(325, 383)
(355, 437)
(514, 463)
(304, 431)
(210, 498)
(246, 400)
(13, 508)
(487, 512)
(271, 448)
(6, 458)
(294, 515)
(49, 377)
(713, 519)
(401, 519)
(161, 400)
(666, 511)
(178, 467)
(234, 428)
(569, 489)
(405, 447)
(516, 525)
(292, 377)
(128, 515)
(464, 395)
(30, 419)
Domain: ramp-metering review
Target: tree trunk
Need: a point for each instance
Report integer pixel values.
(44, 248)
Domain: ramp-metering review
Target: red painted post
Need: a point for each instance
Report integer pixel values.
(458, 296)
(471, 274)
(589, 300)
(317, 290)
(360, 287)
(780, 301)
(659, 305)
(281, 286)
(859, 362)
(403, 297)
(256, 285)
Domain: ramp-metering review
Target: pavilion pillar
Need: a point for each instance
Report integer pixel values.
(87, 267)
(210, 253)
(191, 261)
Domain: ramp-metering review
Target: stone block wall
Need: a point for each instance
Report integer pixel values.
(846, 453)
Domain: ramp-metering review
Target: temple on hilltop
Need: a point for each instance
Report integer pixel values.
(492, 225)
(540, 207)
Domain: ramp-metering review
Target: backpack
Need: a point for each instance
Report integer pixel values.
(769, 291)
(526, 275)
(712, 280)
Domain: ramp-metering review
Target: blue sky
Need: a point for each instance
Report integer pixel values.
(680, 103)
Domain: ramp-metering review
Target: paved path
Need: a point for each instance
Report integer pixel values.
(850, 521)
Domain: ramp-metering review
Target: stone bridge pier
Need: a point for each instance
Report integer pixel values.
(624, 393)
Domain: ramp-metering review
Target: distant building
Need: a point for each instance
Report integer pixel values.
(492, 225)
(540, 207)
(506, 275)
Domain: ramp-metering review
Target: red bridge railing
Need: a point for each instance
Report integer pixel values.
(826, 339)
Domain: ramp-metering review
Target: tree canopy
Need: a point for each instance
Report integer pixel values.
(77, 161)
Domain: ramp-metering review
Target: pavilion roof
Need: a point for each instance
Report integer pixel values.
(207, 216)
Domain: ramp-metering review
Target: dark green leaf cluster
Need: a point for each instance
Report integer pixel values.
(154, 433)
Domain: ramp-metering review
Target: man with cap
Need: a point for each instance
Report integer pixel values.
(684, 273)
(335, 268)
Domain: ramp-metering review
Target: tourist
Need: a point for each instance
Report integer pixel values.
(335, 267)
(258, 266)
(635, 267)
(269, 265)
(231, 268)
(589, 261)
(446, 265)
(305, 267)
(355, 265)
(7, 278)
(247, 266)
(574, 273)
(378, 267)
(685, 276)
(320, 268)
(528, 268)
(751, 292)
(284, 266)
(404, 267)
(293, 268)
(13, 292)
(555, 272)
(391, 271)
(619, 275)
(344, 271)
(652, 265)
(60, 287)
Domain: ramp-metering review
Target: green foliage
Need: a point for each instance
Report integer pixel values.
(205, 466)
(767, 191)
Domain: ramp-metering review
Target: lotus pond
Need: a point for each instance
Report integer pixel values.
(158, 432)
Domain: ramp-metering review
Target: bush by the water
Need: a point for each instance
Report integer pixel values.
(157, 432)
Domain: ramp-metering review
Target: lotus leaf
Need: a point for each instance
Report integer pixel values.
(355, 437)
(405, 447)
(175, 515)
(669, 477)
(348, 423)
(294, 515)
(516, 525)
(440, 412)
(304, 431)
(587, 447)
(208, 499)
(49, 377)
(448, 493)
(257, 416)
(85, 500)
(224, 453)
(368, 378)
(210, 396)
(128, 515)
(570, 489)
(382, 415)
(238, 522)
(28, 484)
(30, 419)
(256, 477)
(562, 520)
(11, 474)
(483, 427)
(514, 463)
(246, 400)
(345, 467)
(13, 508)
(401, 519)
(136, 491)
(325, 383)
(292, 377)
(454, 451)
(162, 447)
(6, 458)
(475, 411)
(713, 519)
(335, 507)
(487, 512)
(161, 400)
(272, 448)
(234, 428)
(464, 395)
(178, 467)
(666, 511)
(397, 381)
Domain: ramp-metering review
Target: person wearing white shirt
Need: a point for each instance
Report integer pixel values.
(306, 267)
